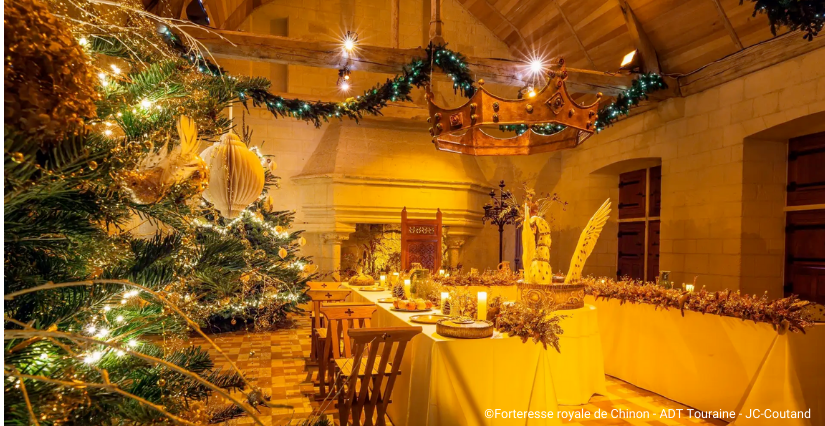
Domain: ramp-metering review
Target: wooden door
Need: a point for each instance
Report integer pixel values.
(805, 255)
(806, 170)
(652, 250)
(632, 196)
(421, 242)
(631, 250)
(655, 193)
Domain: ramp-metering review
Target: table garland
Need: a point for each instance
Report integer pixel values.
(486, 279)
(783, 314)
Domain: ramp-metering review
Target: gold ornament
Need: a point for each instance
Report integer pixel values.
(283, 253)
(270, 165)
(233, 322)
(303, 241)
(159, 171)
(49, 86)
(279, 229)
(269, 204)
(251, 353)
(92, 165)
(17, 157)
(161, 382)
(236, 176)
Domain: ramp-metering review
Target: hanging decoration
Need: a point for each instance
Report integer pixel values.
(807, 16)
(236, 176)
(459, 129)
(639, 90)
(158, 171)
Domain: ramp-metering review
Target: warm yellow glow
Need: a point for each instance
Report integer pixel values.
(349, 43)
(407, 289)
(444, 296)
(532, 93)
(115, 69)
(344, 86)
(536, 65)
(689, 287)
(146, 103)
(628, 58)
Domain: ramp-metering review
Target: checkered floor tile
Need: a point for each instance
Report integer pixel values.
(275, 361)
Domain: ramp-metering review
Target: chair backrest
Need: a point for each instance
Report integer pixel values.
(342, 318)
(372, 396)
(323, 285)
(322, 296)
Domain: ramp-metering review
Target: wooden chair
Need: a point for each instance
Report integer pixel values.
(367, 379)
(334, 343)
(323, 285)
(318, 297)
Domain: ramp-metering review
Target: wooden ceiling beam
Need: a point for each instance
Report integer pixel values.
(731, 31)
(573, 31)
(752, 59)
(284, 50)
(644, 48)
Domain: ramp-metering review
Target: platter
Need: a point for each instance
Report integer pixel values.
(372, 289)
(427, 319)
(386, 300)
(411, 310)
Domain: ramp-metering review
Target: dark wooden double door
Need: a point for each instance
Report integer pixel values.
(639, 206)
(805, 229)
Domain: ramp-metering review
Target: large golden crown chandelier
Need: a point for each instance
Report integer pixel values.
(459, 130)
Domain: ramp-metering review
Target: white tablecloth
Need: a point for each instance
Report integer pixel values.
(447, 381)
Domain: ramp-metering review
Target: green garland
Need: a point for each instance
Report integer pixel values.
(398, 88)
(609, 114)
(805, 15)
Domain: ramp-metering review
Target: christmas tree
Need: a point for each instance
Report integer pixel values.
(111, 257)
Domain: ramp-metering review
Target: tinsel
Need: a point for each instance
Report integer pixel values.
(805, 15)
(783, 314)
(415, 74)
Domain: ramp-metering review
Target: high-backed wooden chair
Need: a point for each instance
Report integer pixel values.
(334, 341)
(369, 376)
(323, 285)
(318, 297)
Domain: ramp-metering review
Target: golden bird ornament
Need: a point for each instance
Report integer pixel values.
(159, 171)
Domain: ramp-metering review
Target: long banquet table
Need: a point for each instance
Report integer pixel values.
(448, 381)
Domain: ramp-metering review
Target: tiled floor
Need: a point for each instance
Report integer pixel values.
(275, 361)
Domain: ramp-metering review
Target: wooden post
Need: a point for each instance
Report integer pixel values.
(435, 22)
(395, 18)
(644, 48)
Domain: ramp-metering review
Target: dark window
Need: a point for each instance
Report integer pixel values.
(806, 170)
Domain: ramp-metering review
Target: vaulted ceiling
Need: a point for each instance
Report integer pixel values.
(594, 34)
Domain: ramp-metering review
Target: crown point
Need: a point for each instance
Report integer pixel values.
(480, 81)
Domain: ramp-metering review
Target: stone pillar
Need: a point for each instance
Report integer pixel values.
(454, 245)
(332, 251)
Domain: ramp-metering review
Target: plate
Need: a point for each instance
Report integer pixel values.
(386, 300)
(372, 289)
(411, 310)
(427, 319)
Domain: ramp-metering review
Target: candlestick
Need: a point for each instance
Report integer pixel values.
(407, 293)
(444, 296)
(481, 309)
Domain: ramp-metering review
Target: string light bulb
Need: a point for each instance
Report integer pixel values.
(536, 66)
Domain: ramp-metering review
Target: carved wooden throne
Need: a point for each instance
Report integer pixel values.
(421, 242)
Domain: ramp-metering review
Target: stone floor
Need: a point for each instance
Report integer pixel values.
(275, 361)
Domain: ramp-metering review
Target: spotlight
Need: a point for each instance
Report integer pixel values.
(536, 66)
(350, 40)
(344, 86)
(531, 93)
(343, 79)
(630, 61)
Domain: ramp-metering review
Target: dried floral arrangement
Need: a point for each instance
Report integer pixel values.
(783, 314)
(541, 325)
(463, 303)
(487, 279)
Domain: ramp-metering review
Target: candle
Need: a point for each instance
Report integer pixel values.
(383, 279)
(444, 296)
(407, 288)
(440, 272)
(482, 305)
(689, 287)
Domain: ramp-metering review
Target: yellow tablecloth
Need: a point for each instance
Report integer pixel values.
(448, 381)
(713, 363)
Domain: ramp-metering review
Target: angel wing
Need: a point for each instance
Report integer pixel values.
(587, 240)
(528, 243)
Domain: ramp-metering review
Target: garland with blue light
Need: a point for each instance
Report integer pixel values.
(639, 90)
(415, 74)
